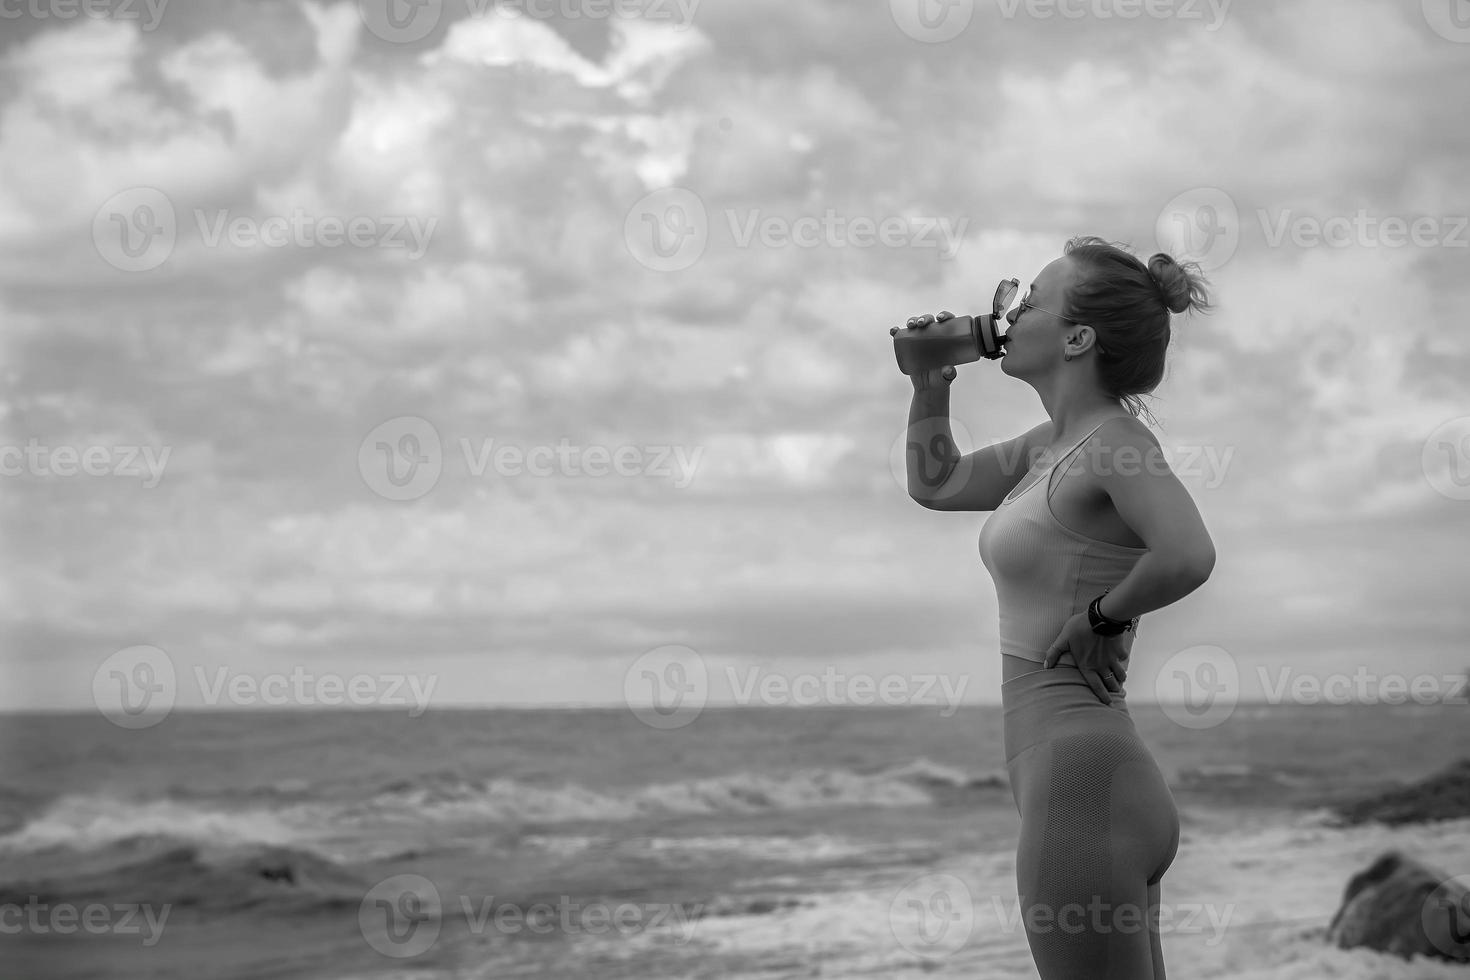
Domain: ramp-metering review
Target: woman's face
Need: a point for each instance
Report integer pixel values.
(1036, 335)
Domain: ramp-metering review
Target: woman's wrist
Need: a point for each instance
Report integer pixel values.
(938, 380)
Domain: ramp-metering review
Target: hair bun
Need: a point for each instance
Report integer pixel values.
(1176, 288)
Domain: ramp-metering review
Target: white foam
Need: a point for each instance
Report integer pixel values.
(1248, 905)
(86, 822)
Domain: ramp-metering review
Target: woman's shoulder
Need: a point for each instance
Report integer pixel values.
(1125, 430)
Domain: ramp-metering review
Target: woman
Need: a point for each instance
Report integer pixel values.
(1075, 563)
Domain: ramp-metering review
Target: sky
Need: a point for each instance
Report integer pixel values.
(505, 349)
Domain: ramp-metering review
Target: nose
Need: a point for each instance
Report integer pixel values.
(1011, 316)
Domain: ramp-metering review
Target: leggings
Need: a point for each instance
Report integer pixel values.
(1099, 828)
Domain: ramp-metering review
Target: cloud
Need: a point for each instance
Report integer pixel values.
(527, 320)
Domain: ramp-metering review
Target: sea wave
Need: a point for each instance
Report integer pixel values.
(205, 879)
(509, 801)
(89, 822)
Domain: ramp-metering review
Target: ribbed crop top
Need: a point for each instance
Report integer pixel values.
(1045, 572)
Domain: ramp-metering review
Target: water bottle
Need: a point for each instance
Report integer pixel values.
(958, 340)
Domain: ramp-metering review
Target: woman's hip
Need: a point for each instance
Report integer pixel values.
(1054, 702)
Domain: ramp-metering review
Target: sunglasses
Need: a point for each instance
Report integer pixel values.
(1005, 295)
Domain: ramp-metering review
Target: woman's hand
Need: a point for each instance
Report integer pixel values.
(939, 377)
(1103, 660)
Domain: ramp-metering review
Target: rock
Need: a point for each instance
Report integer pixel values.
(1442, 796)
(1399, 906)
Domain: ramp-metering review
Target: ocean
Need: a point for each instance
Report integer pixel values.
(754, 842)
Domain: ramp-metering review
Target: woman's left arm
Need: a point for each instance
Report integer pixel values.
(1151, 500)
(1180, 557)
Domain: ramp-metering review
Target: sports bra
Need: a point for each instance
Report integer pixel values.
(1045, 572)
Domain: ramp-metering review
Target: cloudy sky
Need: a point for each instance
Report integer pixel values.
(504, 345)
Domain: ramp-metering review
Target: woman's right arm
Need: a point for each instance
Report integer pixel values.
(942, 478)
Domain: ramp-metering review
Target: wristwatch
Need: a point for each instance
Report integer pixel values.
(1102, 625)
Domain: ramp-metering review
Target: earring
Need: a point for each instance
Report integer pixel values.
(1067, 356)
